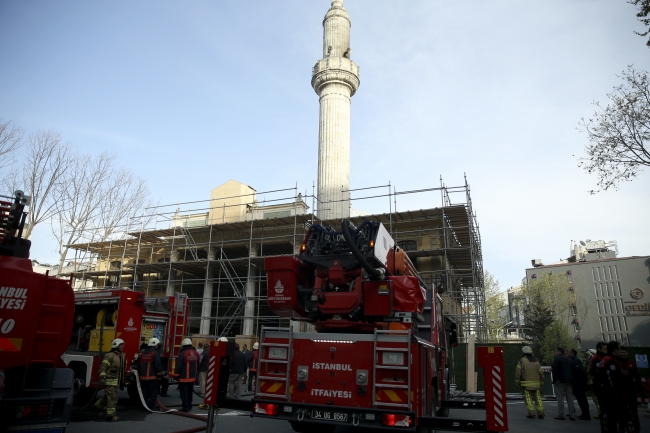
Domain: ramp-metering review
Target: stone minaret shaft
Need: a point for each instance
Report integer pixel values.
(335, 78)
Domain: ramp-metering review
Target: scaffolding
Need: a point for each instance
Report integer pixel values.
(220, 265)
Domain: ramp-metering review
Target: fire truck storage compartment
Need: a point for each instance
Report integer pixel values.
(94, 325)
(408, 294)
(34, 330)
(377, 298)
(283, 274)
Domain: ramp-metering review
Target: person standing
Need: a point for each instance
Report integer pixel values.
(249, 360)
(203, 371)
(596, 376)
(562, 382)
(580, 385)
(612, 399)
(530, 377)
(150, 370)
(237, 372)
(112, 375)
(252, 367)
(633, 387)
(186, 370)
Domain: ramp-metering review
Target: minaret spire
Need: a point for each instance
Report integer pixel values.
(335, 78)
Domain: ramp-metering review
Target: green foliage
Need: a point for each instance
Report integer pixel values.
(495, 305)
(555, 335)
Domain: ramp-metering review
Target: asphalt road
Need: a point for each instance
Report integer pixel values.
(136, 420)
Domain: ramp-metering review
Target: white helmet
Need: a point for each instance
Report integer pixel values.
(153, 342)
(186, 342)
(223, 339)
(256, 346)
(116, 343)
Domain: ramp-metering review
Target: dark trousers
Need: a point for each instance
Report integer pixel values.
(580, 393)
(186, 395)
(251, 375)
(150, 392)
(164, 386)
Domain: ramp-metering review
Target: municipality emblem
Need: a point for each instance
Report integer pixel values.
(279, 288)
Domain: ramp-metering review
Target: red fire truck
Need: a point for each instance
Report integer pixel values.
(35, 313)
(378, 358)
(100, 316)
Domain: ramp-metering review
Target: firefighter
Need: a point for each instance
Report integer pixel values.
(112, 374)
(186, 370)
(613, 403)
(633, 386)
(594, 373)
(530, 377)
(150, 371)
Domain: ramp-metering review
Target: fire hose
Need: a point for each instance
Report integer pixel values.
(165, 410)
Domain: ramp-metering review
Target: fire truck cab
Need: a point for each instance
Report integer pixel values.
(100, 316)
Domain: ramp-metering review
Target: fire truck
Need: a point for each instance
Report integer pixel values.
(378, 355)
(100, 316)
(35, 313)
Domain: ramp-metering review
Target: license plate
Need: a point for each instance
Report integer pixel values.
(330, 416)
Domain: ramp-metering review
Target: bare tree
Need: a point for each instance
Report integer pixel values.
(81, 198)
(619, 133)
(11, 138)
(46, 161)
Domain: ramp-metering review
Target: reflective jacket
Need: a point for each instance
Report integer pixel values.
(594, 370)
(611, 370)
(187, 364)
(529, 373)
(113, 368)
(150, 366)
(253, 365)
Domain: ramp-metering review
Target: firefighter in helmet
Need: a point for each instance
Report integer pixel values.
(150, 371)
(530, 377)
(186, 370)
(112, 374)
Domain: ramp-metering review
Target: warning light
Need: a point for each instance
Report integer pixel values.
(372, 244)
(393, 420)
(267, 408)
(303, 247)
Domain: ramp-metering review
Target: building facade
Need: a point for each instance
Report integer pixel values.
(612, 295)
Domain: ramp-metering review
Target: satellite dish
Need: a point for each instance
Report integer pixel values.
(582, 243)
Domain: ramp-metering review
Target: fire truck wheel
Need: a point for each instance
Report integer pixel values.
(132, 390)
(302, 427)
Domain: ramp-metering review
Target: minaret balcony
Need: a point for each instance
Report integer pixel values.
(335, 69)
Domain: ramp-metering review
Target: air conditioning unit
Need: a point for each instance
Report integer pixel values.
(537, 263)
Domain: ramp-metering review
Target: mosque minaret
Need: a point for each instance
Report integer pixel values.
(335, 78)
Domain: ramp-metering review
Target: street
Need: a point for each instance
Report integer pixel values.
(132, 419)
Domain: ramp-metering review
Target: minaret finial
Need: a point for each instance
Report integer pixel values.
(337, 3)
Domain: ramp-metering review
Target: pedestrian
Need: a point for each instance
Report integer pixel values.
(595, 373)
(237, 372)
(252, 367)
(150, 370)
(615, 414)
(633, 387)
(530, 377)
(580, 385)
(186, 370)
(562, 382)
(203, 371)
(112, 374)
(249, 360)
(199, 350)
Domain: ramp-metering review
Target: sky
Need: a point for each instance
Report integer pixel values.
(192, 94)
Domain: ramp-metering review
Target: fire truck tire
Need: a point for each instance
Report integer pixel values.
(303, 427)
(134, 395)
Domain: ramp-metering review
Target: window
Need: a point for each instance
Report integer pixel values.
(116, 265)
(609, 291)
(611, 277)
(593, 273)
(602, 293)
(601, 324)
(625, 324)
(614, 324)
(408, 245)
(619, 288)
(596, 290)
(616, 271)
(605, 307)
(615, 309)
(620, 328)
(604, 272)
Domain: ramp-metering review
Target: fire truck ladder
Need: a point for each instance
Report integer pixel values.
(380, 339)
(279, 333)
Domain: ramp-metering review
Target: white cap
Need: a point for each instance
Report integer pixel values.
(256, 346)
(186, 342)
